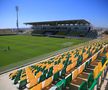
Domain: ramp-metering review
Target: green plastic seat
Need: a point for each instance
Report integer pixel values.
(94, 85)
(17, 78)
(22, 84)
(63, 72)
(79, 62)
(61, 84)
(86, 65)
(83, 86)
(90, 80)
(56, 76)
(42, 77)
(103, 60)
(50, 73)
(89, 62)
(68, 79)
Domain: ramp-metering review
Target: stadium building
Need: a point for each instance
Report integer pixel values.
(79, 28)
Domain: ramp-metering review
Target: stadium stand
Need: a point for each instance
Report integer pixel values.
(79, 69)
(76, 28)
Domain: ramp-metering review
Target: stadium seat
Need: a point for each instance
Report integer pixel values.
(81, 68)
(68, 79)
(31, 78)
(47, 82)
(17, 78)
(37, 87)
(61, 84)
(56, 76)
(94, 86)
(22, 84)
(94, 57)
(83, 86)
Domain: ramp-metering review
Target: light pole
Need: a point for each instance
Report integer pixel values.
(17, 23)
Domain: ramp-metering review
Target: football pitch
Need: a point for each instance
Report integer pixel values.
(18, 48)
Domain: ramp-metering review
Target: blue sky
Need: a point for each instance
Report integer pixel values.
(95, 11)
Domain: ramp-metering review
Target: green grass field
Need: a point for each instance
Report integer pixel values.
(26, 47)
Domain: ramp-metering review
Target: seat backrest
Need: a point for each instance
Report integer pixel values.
(47, 82)
(94, 86)
(83, 86)
(103, 60)
(61, 84)
(99, 66)
(73, 64)
(56, 76)
(68, 68)
(107, 55)
(81, 68)
(95, 72)
(37, 87)
(38, 74)
(94, 57)
(74, 74)
(60, 66)
(102, 50)
(68, 79)
(55, 69)
(90, 79)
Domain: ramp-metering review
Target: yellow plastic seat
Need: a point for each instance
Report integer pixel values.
(74, 74)
(81, 68)
(37, 87)
(73, 64)
(47, 82)
(55, 69)
(107, 55)
(95, 72)
(94, 57)
(30, 78)
(68, 68)
(60, 66)
(38, 74)
(99, 66)
(12, 74)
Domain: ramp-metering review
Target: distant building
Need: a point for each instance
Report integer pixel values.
(79, 28)
(7, 31)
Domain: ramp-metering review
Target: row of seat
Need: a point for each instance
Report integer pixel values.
(35, 87)
(46, 72)
(82, 77)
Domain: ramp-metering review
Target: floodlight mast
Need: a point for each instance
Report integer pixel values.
(17, 22)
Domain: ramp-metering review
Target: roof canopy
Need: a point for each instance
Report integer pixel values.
(80, 21)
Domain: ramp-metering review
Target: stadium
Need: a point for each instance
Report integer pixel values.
(81, 64)
(53, 45)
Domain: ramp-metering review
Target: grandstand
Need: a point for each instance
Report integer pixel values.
(76, 28)
(84, 68)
